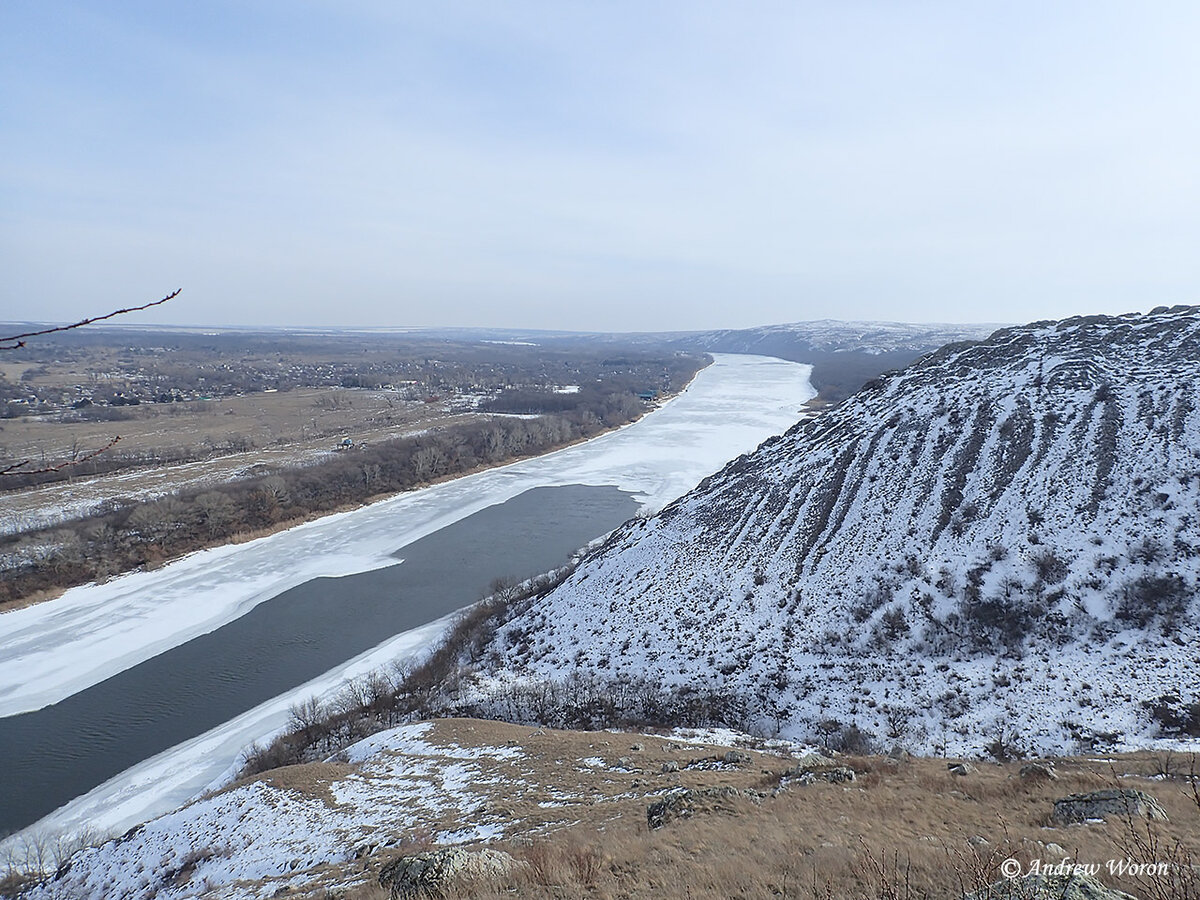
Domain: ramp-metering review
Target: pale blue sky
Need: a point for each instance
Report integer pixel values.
(602, 166)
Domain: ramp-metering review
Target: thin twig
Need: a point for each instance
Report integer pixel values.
(17, 340)
(19, 468)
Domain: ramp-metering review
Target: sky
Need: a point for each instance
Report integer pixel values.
(616, 166)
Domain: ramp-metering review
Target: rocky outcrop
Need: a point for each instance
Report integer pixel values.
(811, 773)
(686, 803)
(1127, 804)
(434, 874)
(1049, 887)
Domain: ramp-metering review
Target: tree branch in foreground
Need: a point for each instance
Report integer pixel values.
(16, 341)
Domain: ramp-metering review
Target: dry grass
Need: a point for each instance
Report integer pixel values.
(903, 830)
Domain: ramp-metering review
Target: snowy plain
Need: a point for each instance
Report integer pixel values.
(49, 651)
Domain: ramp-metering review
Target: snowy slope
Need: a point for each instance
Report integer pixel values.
(1000, 541)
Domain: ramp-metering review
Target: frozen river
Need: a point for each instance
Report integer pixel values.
(57, 650)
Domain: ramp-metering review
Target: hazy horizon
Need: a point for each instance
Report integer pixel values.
(619, 168)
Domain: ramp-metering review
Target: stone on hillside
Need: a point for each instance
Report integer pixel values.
(1126, 803)
(1049, 887)
(433, 874)
(808, 773)
(961, 769)
(1038, 772)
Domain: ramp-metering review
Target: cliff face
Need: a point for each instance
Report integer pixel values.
(1000, 541)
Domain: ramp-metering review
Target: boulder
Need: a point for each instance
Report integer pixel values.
(1126, 803)
(1038, 772)
(1049, 887)
(434, 873)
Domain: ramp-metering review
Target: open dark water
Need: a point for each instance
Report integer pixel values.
(55, 754)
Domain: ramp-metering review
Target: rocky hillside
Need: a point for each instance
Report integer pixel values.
(997, 547)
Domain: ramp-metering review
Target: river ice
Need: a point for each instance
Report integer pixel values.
(51, 650)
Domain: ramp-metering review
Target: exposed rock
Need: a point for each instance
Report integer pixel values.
(433, 874)
(1049, 887)
(1038, 772)
(961, 769)
(808, 773)
(683, 804)
(1126, 803)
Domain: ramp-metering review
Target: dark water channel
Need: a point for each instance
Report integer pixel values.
(53, 755)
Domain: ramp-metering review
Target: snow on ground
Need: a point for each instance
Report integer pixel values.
(54, 649)
(401, 780)
(318, 828)
(46, 505)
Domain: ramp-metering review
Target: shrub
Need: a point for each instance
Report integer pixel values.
(1153, 598)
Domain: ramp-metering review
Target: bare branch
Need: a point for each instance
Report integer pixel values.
(18, 340)
(19, 468)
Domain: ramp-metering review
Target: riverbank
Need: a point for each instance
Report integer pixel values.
(60, 648)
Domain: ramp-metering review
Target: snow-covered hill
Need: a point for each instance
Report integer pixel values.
(999, 543)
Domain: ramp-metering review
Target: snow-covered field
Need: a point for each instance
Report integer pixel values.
(49, 651)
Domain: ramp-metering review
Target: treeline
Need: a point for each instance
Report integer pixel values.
(443, 686)
(123, 537)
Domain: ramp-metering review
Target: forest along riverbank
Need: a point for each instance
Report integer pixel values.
(64, 750)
